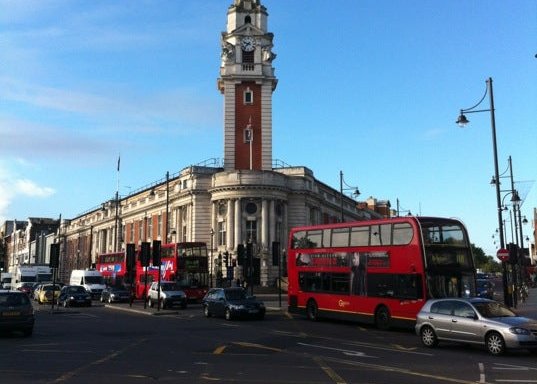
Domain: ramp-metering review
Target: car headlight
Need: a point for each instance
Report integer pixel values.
(519, 331)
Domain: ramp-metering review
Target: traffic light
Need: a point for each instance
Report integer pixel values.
(249, 254)
(226, 258)
(241, 253)
(145, 254)
(275, 253)
(156, 253)
(131, 257)
(513, 253)
(54, 255)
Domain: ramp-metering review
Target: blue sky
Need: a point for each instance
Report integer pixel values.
(370, 88)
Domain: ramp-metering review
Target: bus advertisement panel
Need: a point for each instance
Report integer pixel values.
(113, 268)
(379, 271)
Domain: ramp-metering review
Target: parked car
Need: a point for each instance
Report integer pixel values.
(74, 295)
(26, 288)
(232, 303)
(115, 295)
(48, 293)
(170, 295)
(475, 321)
(485, 288)
(16, 312)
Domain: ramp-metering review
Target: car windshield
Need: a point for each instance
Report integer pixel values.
(50, 288)
(493, 309)
(235, 294)
(11, 300)
(169, 287)
(77, 290)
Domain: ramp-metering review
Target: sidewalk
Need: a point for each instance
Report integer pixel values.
(529, 307)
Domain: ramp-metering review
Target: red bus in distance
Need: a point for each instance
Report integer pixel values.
(186, 263)
(379, 271)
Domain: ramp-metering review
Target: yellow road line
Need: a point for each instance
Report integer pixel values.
(329, 371)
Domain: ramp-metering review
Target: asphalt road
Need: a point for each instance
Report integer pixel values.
(106, 345)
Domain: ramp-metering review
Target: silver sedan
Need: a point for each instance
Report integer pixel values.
(475, 321)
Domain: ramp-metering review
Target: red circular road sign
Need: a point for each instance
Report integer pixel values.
(502, 254)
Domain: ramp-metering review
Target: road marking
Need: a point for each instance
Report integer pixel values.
(254, 345)
(329, 371)
(219, 350)
(405, 371)
(482, 373)
(344, 351)
(68, 375)
(402, 348)
(507, 367)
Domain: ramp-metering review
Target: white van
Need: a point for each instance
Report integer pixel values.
(90, 279)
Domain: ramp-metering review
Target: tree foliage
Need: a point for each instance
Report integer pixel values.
(483, 262)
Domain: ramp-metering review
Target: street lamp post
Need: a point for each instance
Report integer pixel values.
(342, 183)
(462, 121)
(211, 259)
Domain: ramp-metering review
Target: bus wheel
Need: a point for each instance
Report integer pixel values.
(312, 310)
(382, 318)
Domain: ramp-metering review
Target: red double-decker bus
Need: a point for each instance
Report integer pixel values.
(113, 268)
(186, 263)
(191, 267)
(379, 271)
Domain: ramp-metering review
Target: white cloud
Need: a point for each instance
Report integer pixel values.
(29, 188)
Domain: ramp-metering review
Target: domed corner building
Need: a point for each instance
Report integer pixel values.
(251, 199)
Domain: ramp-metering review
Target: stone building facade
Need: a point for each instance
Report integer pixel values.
(249, 197)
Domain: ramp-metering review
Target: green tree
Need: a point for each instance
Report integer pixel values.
(485, 262)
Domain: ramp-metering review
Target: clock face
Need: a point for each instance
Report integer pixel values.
(248, 43)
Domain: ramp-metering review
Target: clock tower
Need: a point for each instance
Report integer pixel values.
(247, 81)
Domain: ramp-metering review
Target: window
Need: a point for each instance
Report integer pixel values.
(251, 208)
(221, 233)
(248, 57)
(140, 227)
(251, 230)
(248, 96)
(150, 227)
(159, 226)
(132, 232)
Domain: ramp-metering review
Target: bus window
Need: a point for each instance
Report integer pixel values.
(340, 237)
(359, 236)
(402, 234)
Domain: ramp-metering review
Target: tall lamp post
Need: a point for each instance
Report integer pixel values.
(462, 121)
(211, 259)
(342, 183)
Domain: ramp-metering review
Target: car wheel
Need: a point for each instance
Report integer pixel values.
(228, 315)
(102, 299)
(382, 318)
(110, 300)
(428, 337)
(150, 303)
(312, 310)
(495, 343)
(65, 304)
(206, 311)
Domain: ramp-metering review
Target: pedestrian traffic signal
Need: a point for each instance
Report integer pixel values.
(156, 253)
(241, 253)
(131, 257)
(513, 253)
(145, 254)
(275, 253)
(54, 255)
